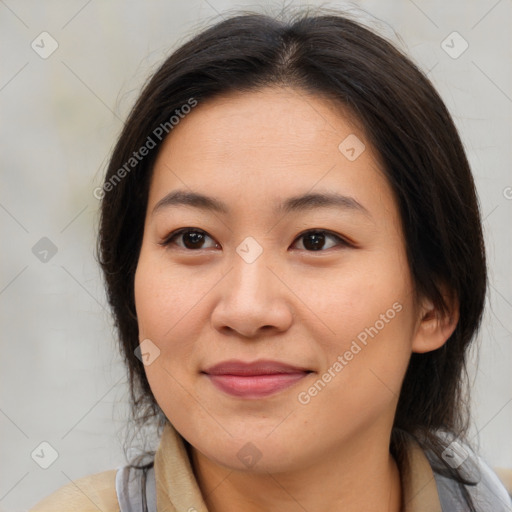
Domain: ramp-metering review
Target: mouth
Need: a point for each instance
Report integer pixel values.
(254, 380)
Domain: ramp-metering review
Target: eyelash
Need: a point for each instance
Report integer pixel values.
(169, 239)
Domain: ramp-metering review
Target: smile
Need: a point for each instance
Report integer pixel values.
(254, 380)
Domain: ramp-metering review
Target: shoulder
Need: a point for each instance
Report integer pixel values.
(489, 491)
(484, 487)
(90, 493)
(486, 490)
(505, 476)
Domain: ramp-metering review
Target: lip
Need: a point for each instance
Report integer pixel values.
(255, 379)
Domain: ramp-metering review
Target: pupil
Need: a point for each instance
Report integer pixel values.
(317, 239)
(192, 238)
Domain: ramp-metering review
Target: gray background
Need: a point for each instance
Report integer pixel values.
(62, 379)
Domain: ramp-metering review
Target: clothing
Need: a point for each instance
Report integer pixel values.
(172, 487)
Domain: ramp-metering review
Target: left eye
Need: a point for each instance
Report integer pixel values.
(314, 240)
(193, 239)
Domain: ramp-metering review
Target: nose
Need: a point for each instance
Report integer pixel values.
(252, 299)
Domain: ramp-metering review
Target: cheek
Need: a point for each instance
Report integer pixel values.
(370, 318)
(168, 305)
(367, 290)
(166, 316)
(165, 296)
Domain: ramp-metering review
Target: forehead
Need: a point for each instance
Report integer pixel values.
(286, 121)
(257, 147)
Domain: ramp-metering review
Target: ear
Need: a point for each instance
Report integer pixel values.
(433, 326)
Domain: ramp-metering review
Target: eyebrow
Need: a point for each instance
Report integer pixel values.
(303, 202)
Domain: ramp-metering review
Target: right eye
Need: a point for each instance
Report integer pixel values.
(192, 239)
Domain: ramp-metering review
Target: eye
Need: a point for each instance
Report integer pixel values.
(193, 238)
(314, 240)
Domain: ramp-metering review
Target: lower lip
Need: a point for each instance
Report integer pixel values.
(255, 386)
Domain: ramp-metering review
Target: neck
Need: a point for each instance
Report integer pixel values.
(362, 478)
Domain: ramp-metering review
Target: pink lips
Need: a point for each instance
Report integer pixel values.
(254, 380)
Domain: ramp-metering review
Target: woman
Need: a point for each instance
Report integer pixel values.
(293, 253)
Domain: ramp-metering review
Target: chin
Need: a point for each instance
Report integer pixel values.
(248, 453)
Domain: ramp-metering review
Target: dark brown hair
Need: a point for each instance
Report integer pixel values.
(332, 56)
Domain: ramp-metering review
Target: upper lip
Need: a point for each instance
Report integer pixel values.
(259, 367)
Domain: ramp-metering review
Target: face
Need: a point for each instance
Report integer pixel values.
(280, 322)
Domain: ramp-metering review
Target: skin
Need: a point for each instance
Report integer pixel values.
(292, 304)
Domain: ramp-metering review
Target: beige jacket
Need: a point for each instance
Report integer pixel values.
(98, 492)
